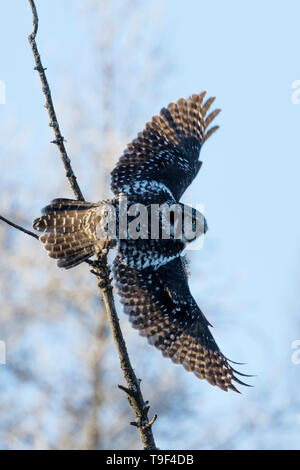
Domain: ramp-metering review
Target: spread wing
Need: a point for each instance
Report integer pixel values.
(167, 151)
(161, 307)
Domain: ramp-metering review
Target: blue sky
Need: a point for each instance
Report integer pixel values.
(247, 55)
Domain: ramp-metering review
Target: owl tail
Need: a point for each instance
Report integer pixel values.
(69, 228)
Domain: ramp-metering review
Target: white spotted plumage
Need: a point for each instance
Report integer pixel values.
(151, 275)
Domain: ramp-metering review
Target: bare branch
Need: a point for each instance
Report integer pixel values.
(18, 227)
(59, 139)
(100, 268)
(133, 389)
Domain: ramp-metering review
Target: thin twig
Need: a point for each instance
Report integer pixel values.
(59, 139)
(18, 227)
(100, 269)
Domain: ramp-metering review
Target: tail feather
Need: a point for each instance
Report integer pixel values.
(77, 258)
(59, 222)
(61, 204)
(69, 228)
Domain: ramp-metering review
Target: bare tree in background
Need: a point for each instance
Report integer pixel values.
(58, 389)
(59, 385)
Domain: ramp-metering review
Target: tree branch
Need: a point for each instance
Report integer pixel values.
(101, 269)
(18, 227)
(59, 139)
(100, 265)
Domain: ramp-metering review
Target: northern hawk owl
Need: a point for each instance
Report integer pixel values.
(151, 277)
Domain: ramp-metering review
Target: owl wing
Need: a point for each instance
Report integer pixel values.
(167, 150)
(161, 307)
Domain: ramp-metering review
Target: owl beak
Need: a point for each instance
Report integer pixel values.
(205, 226)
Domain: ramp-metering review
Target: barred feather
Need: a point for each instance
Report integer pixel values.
(70, 230)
